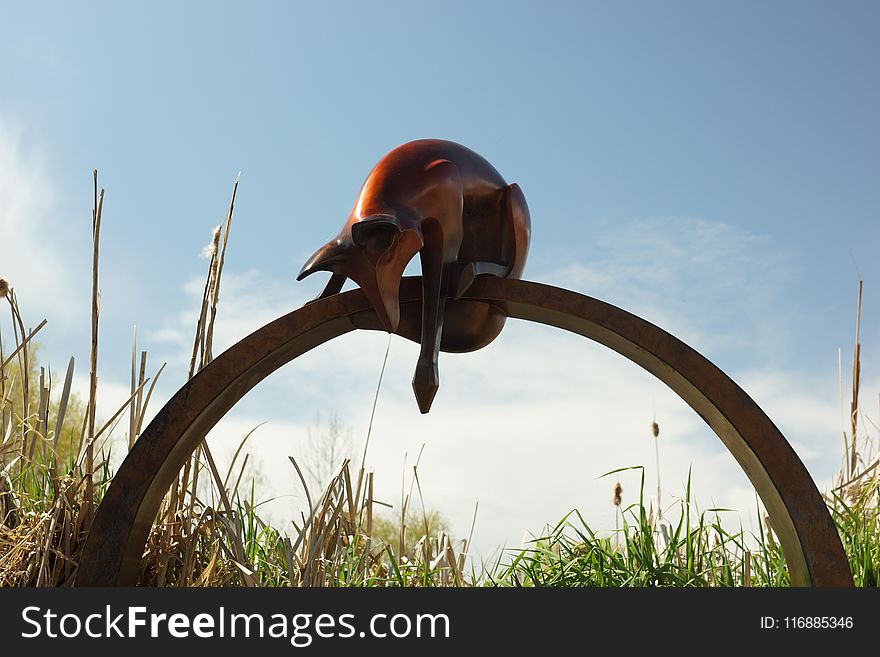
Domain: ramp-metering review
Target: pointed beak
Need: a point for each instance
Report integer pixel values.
(308, 268)
(320, 260)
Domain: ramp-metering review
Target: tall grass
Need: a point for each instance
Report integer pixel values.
(694, 550)
(54, 470)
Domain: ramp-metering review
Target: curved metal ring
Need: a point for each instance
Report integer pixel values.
(813, 550)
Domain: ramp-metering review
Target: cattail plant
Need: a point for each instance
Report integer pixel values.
(655, 431)
(617, 499)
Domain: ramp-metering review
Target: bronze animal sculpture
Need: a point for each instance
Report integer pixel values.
(448, 204)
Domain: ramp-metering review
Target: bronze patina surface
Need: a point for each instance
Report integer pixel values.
(448, 204)
(812, 547)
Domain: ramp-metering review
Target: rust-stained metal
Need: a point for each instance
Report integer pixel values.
(448, 204)
(812, 547)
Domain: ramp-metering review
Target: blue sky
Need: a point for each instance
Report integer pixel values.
(710, 166)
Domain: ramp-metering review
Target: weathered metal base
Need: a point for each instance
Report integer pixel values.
(812, 547)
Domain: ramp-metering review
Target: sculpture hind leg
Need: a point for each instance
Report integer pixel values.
(519, 229)
(464, 273)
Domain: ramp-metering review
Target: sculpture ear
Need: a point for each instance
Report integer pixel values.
(323, 259)
(382, 227)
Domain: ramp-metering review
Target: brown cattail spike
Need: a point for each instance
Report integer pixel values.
(618, 494)
(655, 429)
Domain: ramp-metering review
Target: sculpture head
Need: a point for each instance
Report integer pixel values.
(373, 252)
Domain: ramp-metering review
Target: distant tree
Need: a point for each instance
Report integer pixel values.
(12, 406)
(386, 528)
(327, 445)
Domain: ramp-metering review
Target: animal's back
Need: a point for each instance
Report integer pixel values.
(484, 223)
(478, 175)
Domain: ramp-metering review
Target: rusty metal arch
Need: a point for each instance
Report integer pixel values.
(813, 550)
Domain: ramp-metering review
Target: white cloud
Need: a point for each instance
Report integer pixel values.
(32, 256)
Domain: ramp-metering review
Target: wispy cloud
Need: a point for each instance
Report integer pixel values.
(714, 285)
(32, 256)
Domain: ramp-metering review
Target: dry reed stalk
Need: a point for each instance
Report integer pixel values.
(21, 351)
(215, 292)
(138, 378)
(21, 345)
(97, 212)
(132, 409)
(187, 483)
(42, 419)
(854, 404)
(747, 569)
(201, 323)
(4, 400)
(369, 505)
(146, 402)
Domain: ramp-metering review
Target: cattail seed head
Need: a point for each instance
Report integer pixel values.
(4, 287)
(618, 494)
(211, 249)
(655, 429)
